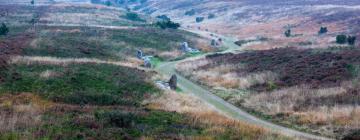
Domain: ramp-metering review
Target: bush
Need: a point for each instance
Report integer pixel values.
(211, 16)
(116, 118)
(199, 19)
(341, 39)
(288, 33)
(164, 17)
(190, 13)
(4, 30)
(351, 40)
(323, 30)
(133, 16)
(167, 24)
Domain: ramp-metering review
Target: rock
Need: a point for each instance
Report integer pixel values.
(173, 82)
(186, 49)
(147, 63)
(139, 54)
(213, 42)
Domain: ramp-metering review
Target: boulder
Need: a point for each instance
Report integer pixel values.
(173, 82)
(139, 54)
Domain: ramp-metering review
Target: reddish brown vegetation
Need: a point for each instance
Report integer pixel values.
(296, 67)
(12, 46)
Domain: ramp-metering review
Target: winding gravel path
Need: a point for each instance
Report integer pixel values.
(168, 68)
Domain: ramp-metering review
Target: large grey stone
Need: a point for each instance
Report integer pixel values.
(173, 82)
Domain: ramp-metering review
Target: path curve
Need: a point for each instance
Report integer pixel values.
(187, 86)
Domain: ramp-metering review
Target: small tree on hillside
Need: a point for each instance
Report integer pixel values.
(323, 30)
(32, 2)
(167, 24)
(351, 40)
(4, 30)
(288, 33)
(341, 39)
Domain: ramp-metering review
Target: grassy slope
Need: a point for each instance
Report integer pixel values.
(87, 101)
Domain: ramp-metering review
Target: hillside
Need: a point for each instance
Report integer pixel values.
(249, 19)
(68, 70)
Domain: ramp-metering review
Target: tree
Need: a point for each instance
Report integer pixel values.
(32, 2)
(4, 30)
(288, 33)
(341, 39)
(351, 40)
(323, 30)
(167, 24)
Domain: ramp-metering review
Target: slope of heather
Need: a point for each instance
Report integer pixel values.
(311, 90)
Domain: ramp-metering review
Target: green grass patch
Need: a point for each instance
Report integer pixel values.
(80, 84)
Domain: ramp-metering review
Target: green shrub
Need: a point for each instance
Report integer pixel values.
(351, 40)
(211, 16)
(199, 19)
(163, 17)
(323, 30)
(167, 24)
(341, 39)
(288, 33)
(4, 30)
(81, 84)
(133, 16)
(116, 118)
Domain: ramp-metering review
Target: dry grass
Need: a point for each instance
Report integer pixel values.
(298, 102)
(284, 100)
(203, 115)
(223, 75)
(66, 61)
(21, 111)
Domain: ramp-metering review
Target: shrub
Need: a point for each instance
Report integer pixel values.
(351, 40)
(288, 33)
(211, 16)
(167, 24)
(323, 30)
(190, 13)
(116, 118)
(4, 30)
(133, 16)
(163, 17)
(341, 39)
(199, 19)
